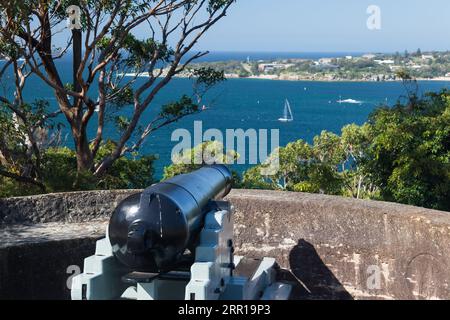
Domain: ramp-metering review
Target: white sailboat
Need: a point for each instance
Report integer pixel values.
(287, 116)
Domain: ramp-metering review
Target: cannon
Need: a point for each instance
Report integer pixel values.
(174, 241)
(150, 231)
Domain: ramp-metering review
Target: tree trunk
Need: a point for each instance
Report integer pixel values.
(85, 161)
(104, 166)
(359, 186)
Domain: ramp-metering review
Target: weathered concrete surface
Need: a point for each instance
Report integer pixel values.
(61, 207)
(336, 245)
(334, 248)
(22, 235)
(37, 260)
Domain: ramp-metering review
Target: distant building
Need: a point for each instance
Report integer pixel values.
(427, 57)
(326, 61)
(348, 57)
(325, 66)
(385, 61)
(395, 68)
(369, 56)
(269, 67)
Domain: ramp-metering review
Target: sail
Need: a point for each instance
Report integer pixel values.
(287, 114)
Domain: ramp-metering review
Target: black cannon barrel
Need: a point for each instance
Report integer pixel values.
(149, 231)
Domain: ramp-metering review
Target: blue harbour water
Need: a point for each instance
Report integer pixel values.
(256, 104)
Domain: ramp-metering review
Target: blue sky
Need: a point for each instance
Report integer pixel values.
(331, 25)
(327, 26)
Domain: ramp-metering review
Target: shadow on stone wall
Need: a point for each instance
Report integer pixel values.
(313, 278)
(41, 270)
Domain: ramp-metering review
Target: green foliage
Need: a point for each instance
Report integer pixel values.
(215, 5)
(60, 171)
(357, 68)
(126, 173)
(206, 153)
(121, 97)
(142, 51)
(132, 8)
(244, 73)
(17, 153)
(304, 167)
(121, 122)
(253, 179)
(8, 50)
(207, 76)
(409, 157)
(328, 148)
(12, 136)
(12, 188)
(179, 108)
(59, 174)
(204, 78)
(401, 154)
(111, 54)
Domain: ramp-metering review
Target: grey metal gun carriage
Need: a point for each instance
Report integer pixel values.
(175, 241)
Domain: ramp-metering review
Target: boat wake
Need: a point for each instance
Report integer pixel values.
(350, 101)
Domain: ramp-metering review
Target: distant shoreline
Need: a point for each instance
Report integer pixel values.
(370, 67)
(276, 78)
(440, 79)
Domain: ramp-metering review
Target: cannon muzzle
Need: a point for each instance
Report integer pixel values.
(150, 231)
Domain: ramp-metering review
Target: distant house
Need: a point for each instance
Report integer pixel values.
(325, 61)
(348, 57)
(395, 68)
(385, 61)
(369, 56)
(415, 66)
(325, 66)
(427, 57)
(269, 67)
(447, 75)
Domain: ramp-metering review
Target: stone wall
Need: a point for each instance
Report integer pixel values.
(61, 207)
(337, 247)
(332, 247)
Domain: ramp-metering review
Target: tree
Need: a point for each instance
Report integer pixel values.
(58, 173)
(355, 141)
(304, 168)
(210, 152)
(111, 50)
(419, 53)
(409, 156)
(397, 58)
(24, 131)
(402, 154)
